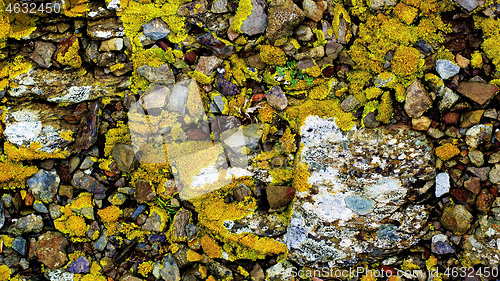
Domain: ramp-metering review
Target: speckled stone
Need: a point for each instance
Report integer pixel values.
(348, 204)
(446, 69)
(44, 185)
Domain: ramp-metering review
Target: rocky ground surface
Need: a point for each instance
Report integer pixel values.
(249, 140)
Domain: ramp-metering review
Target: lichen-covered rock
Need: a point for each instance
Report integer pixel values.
(456, 218)
(350, 202)
(284, 15)
(256, 22)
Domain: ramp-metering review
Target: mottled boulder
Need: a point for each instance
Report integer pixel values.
(354, 203)
(51, 249)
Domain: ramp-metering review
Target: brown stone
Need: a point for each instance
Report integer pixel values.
(451, 118)
(473, 184)
(484, 201)
(417, 100)
(279, 196)
(460, 194)
(143, 191)
(456, 218)
(476, 91)
(471, 118)
(463, 62)
(52, 249)
(421, 123)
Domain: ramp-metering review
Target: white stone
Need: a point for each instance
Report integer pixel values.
(442, 184)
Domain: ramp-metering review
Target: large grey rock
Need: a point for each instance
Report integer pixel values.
(357, 202)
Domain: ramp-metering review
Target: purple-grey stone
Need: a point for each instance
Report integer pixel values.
(80, 265)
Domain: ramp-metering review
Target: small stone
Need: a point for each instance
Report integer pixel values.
(117, 199)
(495, 174)
(83, 181)
(381, 4)
(113, 44)
(66, 190)
(178, 227)
(241, 192)
(435, 133)
(51, 249)
(155, 96)
(276, 98)
(471, 118)
(170, 269)
(19, 244)
(417, 100)
(456, 218)
(256, 22)
(442, 184)
(227, 88)
(370, 120)
(440, 245)
(482, 173)
(484, 201)
(40, 207)
(156, 29)
(284, 15)
(219, 7)
(446, 69)
(59, 275)
(42, 54)
(192, 9)
(349, 104)
(101, 243)
(421, 123)
(478, 134)
(463, 62)
(460, 194)
(494, 158)
(207, 64)
(314, 10)
(257, 273)
(220, 48)
(44, 185)
(451, 118)
(155, 221)
(87, 163)
(160, 75)
(476, 91)
(279, 196)
(106, 59)
(469, 5)
(304, 33)
(491, 113)
(80, 265)
(476, 158)
(333, 49)
(144, 191)
(47, 164)
(448, 99)
(29, 223)
(105, 28)
(124, 156)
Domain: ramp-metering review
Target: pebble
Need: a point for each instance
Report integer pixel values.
(192, 9)
(490, 113)
(314, 10)
(124, 156)
(105, 28)
(463, 62)
(178, 99)
(44, 185)
(51, 249)
(476, 91)
(83, 181)
(333, 49)
(456, 218)
(478, 134)
(476, 158)
(469, 5)
(87, 163)
(220, 48)
(284, 15)
(471, 118)
(448, 99)
(440, 245)
(101, 243)
(207, 64)
(80, 265)
(170, 270)
(451, 118)
(484, 201)
(495, 174)
(276, 98)
(256, 22)
(482, 173)
(421, 123)
(349, 104)
(19, 244)
(446, 69)
(113, 44)
(442, 184)
(473, 185)
(417, 100)
(29, 223)
(59, 275)
(144, 192)
(87, 132)
(39, 207)
(226, 87)
(257, 273)
(241, 192)
(494, 158)
(219, 7)
(117, 199)
(279, 196)
(304, 33)
(156, 29)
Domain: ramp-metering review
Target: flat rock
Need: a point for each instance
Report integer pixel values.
(105, 28)
(51, 249)
(113, 44)
(29, 223)
(476, 91)
(42, 54)
(361, 202)
(417, 100)
(162, 74)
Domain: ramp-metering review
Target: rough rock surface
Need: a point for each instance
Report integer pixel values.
(357, 191)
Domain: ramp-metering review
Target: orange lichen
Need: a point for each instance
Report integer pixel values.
(447, 151)
(13, 175)
(210, 247)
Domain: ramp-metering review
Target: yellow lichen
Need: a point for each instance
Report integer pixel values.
(288, 141)
(385, 110)
(110, 214)
(372, 93)
(193, 256)
(301, 176)
(75, 8)
(406, 14)
(447, 151)
(266, 112)
(210, 247)
(4, 272)
(32, 152)
(120, 134)
(476, 60)
(14, 175)
(272, 56)
(406, 61)
(70, 57)
(281, 176)
(339, 13)
(243, 11)
(145, 268)
(76, 225)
